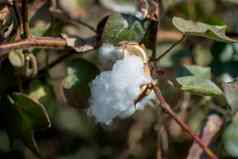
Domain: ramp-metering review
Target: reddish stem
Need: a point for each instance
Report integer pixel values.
(183, 125)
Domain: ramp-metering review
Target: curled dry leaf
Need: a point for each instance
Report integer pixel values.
(80, 45)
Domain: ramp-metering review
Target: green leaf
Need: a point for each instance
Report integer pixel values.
(43, 92)
(213, 32)
(193, 70)
(124, 28)
(79, 74)
(197, 80)
(231, 94)
(22, 116)
(35, 111)
(199, 86)
(28, 139)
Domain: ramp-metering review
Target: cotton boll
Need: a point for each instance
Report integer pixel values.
(113, 92)
(108, 54)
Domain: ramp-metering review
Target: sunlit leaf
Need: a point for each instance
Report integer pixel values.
(197, 80)
(199, 86)
(193, 70)
(213, 32)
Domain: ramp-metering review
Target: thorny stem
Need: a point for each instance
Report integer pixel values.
(166, 107)
(169, 49)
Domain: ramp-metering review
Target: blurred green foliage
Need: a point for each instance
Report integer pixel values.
(197, 67)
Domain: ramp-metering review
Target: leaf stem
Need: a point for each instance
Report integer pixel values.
(169, 49)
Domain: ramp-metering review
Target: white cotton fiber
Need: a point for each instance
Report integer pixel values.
(113, 92)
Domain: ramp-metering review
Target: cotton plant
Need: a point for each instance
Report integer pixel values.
(114, 92)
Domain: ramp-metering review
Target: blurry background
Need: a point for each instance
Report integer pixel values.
(74, 135)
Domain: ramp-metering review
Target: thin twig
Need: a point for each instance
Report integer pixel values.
(169, 49)
(45, 42)
(166, 107)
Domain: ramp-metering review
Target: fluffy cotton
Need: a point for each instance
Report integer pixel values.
(113, 92)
